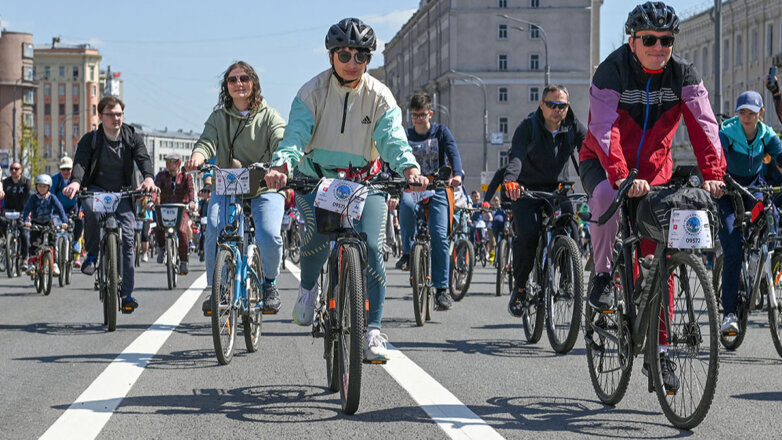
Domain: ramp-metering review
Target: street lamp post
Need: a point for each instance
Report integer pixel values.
(544, 37)
(479, 83)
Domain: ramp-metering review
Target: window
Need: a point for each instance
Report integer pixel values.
(737, 55)
(29, 97)
(769, 40)
(503, 94)
(94, 90)
(534, 94)
(75, 91)
(47, 72)
(27, 50)
(94, 110)
(62, 89)
(47, 129)
(28, 120)
(502, 32)
(502, 3)
(75, 109)
(753, 45)
(502, 158)
(503, 122)
(534, 32)
(92, 75)
(75, 129)
(61, 109)
(47, 90)
(47, 109)
(534, 62)
(75, 72)
(705, 59)
(502, 62)
(62, 129)
(28, 73)
(534, 3)
(47, 151)
(725, 54)
(62, 71)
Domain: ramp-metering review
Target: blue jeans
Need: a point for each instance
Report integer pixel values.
(438, 230)
(267, 211)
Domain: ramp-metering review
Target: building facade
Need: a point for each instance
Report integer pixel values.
(69, 89)
(751, 41)
(484, 63)
(160, 143)
(17, 93)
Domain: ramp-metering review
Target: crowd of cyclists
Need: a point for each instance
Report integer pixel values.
(346, 124)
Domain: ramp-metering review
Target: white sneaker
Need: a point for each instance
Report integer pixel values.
(375, 346)
(56, 270)
(304, 310)
(144, 257)
(729, 324)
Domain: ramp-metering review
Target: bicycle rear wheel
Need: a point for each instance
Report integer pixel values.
(535, 311)
(608, 348)
(461, 268)
(12, 256)
(693, 348)
(47, 260)
(775, 309)
(251, 322)
(223, 307)
(3, 257)
(170, 263)
(565, 295)
(62, 255)
(111, 258)
(350, 312)
(137, 248)
(502, 257)
(420, 286)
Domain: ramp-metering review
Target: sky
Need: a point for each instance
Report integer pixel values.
(172, 53)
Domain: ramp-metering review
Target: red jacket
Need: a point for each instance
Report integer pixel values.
(179, 191)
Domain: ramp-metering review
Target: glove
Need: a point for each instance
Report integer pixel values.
(772, 87)
(511, 185)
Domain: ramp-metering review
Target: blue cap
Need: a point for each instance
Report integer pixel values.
(750, 100)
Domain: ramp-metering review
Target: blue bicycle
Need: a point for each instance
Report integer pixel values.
(236, 284)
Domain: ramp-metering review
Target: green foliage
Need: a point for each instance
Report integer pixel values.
(30, 151)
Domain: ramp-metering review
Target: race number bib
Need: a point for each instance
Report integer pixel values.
(234, 181)
(689, 230)
(480, 224)
(342, 196)
(139, 225)
(105, 202)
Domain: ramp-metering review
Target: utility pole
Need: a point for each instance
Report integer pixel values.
(717, 57)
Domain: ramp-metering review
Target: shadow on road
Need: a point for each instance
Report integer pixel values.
(768, 396)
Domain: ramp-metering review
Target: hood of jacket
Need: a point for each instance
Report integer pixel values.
(737, 140)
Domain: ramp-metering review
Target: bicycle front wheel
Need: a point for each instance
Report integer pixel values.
(170, 263)
(461, 269)
(693, 347)
(420, 286)
(502, 257)
(137, 248)
(223, 307)
(62, 255)
(775, 308)
(251, 322)
(12, 256)
(534, 313)
(111, 259)
(3, 254)
(46, 272)
(350, 312)
(565, 295)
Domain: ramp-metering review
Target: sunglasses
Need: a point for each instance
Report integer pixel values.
(359, 57)
(242, 78)
(419, 115)
(651, 40)
(65, 169)
(15, 168)
(556, 105)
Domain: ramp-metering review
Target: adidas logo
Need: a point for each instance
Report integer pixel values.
(366, 120)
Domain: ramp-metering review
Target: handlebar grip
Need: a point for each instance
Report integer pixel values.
(620, 195)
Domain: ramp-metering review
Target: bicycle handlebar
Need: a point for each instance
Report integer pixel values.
(621, 194)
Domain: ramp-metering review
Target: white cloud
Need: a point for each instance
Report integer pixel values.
(212, 91)
(394, 19)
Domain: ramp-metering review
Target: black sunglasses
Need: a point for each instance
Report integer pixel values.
(556, 105)
(15, 168)
(359, 57)
(651, 40)
(243, 78)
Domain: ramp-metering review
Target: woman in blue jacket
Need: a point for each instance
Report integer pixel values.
(746, 140)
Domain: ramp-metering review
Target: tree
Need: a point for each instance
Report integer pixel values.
(30, 152)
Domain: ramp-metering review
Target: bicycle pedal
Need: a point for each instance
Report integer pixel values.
(208, 313)
(670, 393)
(127, 310)
(731, 333)
(269, 312)
(376, 362)
(608, 312)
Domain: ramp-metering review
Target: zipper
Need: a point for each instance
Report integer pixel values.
(345, 112)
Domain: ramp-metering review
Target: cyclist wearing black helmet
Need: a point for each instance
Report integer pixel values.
(637, 98)
(345, 118)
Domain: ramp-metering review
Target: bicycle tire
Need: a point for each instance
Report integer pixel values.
(112, 281)
(565, 297)
(12, 256)
(170, 264)
(461, 269)
(62, 250)
(501, 257)
(418, 280)
(610, 361)
(716, 274)
(47, 260)
(137, 249)
(429, 290)
(534, 315)
(3, 256)
(350, 300)
(68, 269)
(324, 314)
(37, 276)
(684, 409)
(775, 310)
(223, 308)
(253, 320)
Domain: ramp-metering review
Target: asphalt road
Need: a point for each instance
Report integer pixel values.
(56, 352)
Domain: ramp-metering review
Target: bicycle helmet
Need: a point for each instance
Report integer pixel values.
(652, 16)
(351, 32)
(43, 179)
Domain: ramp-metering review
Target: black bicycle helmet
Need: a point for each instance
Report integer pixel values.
(652, 16)
(351, 32)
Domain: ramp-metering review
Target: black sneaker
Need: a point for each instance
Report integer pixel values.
(183, 270)
(206, 306)
(129, 304)
(161, 255)
(667, 368)
(516, 303)
(442, 299)
(601, 298)
(403, 263)
(271, 299)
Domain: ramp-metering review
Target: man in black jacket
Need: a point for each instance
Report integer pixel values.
(17, 190)
(542, 146)
(104, 162)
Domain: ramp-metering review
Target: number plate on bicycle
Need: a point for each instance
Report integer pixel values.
(689, 230)
(231, 182)
(168, 216)
(105, 202)
(342, 196)
(12, 215)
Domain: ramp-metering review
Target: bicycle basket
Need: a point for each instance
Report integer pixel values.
(327, 222)
(654, 211)
(169, 215)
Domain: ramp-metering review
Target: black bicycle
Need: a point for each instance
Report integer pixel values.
(169, 217)
(642, 309)
(291, 236)
(503, 257)
(462, 256)
(64, 247)
(555, 289)
(13, 244)
(759, 274)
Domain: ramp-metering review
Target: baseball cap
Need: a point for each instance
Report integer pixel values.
(750, 100)
(66, 162)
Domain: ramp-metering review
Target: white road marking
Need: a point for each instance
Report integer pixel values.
(85, 418)
(451, 415)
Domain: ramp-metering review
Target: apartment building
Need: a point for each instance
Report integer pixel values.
(17, 93)
(162, 142)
